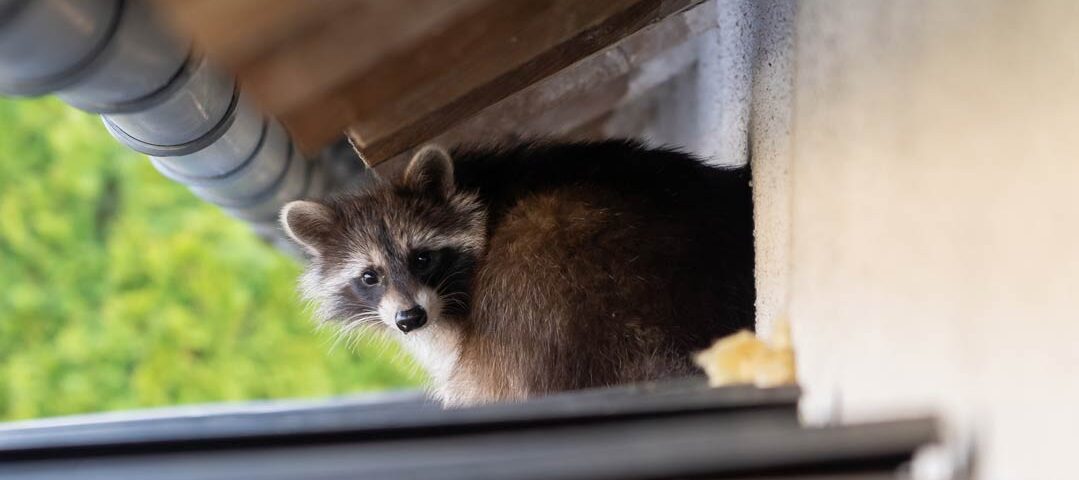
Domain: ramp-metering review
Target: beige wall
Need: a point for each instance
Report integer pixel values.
(934, 192)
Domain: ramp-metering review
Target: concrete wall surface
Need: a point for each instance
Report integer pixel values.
(934, 244)
(732, 107)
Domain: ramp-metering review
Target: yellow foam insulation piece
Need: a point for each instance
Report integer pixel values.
(743, 358)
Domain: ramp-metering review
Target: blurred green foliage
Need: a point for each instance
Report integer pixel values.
(119, 289)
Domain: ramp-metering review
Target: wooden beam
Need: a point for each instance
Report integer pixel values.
(578, 102)
(506, 68)
(561, 103)
(399, 72)
(289, 52)
(235, 32)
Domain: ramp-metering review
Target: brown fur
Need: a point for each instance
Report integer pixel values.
(571, 283)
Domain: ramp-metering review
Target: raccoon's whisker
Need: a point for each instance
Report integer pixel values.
(363, 327)
(455, 295)
(363, 317)
(356, 333)
(338, 336)
(381, 342)
(453, 292)
(447, 278)
(381, 348)
(351, 324)
(359, 322)
(333, 343)
(355, 324)
(456, 302)
(456, 299)
(451, 297)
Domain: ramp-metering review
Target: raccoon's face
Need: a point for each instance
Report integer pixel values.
(397, 255)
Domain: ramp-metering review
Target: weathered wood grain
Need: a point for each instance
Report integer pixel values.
(397, 73)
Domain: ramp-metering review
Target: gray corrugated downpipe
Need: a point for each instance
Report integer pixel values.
(158, 97)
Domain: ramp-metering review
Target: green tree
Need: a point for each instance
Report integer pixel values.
(120, 289)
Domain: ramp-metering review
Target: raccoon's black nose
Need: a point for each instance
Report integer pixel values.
(411, 319)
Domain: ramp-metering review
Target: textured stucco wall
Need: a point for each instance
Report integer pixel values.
(935, 219)
(769, 133)
(732, 107)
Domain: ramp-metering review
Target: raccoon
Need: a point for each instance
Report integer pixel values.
(522, 270)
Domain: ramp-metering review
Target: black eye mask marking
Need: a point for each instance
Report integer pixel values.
(426, 264)
(449, 273)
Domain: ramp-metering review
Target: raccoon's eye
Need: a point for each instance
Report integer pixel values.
(423, 259)
(369, 278)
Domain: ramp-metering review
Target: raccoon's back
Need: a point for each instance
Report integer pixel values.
(665, 177)
(606, 263)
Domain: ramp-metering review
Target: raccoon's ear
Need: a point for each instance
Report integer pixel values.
(430, 171)
(309, 224)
